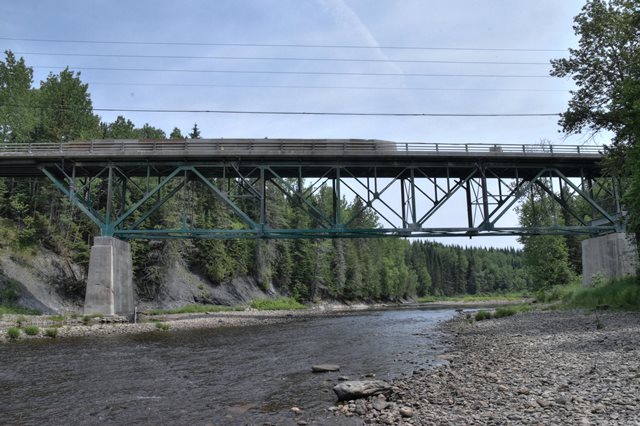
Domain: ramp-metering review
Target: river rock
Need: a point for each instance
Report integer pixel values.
(406, 411)
(354, 389)
(324, 368)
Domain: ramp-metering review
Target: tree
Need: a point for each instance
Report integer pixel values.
(121, 128)
(195, 132)
(17, 115)
(149, 132)
(66, 109)
(546, 257)
(606, 69)
(176, 134)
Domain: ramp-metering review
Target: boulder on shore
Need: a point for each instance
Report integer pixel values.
(355, 389)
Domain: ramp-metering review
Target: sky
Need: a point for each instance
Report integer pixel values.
(203, 55)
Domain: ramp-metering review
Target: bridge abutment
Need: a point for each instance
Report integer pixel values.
(612, 255)
(110, 278)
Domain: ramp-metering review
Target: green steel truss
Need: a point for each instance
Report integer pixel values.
(419, 199)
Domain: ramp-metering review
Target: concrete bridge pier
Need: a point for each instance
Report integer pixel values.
(110, 278)
(612, 255)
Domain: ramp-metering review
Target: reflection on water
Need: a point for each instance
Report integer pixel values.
(248, 375)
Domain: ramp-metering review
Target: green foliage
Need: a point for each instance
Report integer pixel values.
(483, 297)
(162, 326)
(621, 293)
(193, 309)
(13, 332)
(606, 70)
(283, 303)
(51, 332)
(176, 134)
(483, 315)
(66, 111)
(8, 292)
(13, 309)
(31, 330)
(195, 132)
(504, 311)
(17, 117)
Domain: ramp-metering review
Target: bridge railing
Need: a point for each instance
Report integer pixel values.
(285, 146)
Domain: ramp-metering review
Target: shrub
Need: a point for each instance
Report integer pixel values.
(504, 312)
(31, 330)
(283, 303)
(13, 332)
(51, 332)
(162, 326)
(483, 315)
(192, 309)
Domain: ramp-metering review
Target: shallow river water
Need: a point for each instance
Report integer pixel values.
(225, 376)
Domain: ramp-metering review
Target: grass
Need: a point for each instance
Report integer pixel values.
(620, 294)
(482, 297)
(483, 315)
(283, 303)
(18, 310)
(51, 332)
(13, 332)
(31, 330)
(162, 326)
(193, 309)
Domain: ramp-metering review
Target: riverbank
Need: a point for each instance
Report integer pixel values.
(543, 367)
(76, 326)
(79, 325)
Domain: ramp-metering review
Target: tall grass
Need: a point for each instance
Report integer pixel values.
(19, 310)
(623, 293)
(282, 303)
(193, 309)
(482, 297)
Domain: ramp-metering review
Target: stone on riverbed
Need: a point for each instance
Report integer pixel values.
(355, 389)
(324, 368)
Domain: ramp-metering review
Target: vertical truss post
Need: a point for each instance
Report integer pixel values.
(337, 200)
(108, 229)
(403, 202)
(485, 198)
(412, 182)
(469, 206)
(263, 201)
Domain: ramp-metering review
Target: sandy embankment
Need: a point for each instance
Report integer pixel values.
(559, 367)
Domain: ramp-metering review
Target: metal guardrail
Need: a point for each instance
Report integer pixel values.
(283, 146)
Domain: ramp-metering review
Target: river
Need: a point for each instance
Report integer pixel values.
(225, 376)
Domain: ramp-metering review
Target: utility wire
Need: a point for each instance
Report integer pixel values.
(271, 58)
(329, 46)
(269, 86)
(298, 72)
(320, 113)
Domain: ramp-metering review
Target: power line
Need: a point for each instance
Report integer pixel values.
(271, 58)
(269, 86)
(319, 113)
(296, 72)
(312, 46)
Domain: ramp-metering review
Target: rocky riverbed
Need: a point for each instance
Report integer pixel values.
(554, 367)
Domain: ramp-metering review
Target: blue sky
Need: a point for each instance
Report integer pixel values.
(499, 24)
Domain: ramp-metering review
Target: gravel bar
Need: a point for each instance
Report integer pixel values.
(549, 368)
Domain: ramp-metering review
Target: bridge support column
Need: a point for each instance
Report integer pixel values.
(110, 282)
(612, 255)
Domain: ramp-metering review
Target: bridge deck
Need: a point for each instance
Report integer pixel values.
(315, 155)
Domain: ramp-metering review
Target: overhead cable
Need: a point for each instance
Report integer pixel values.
(294, 45)
(382, 74)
